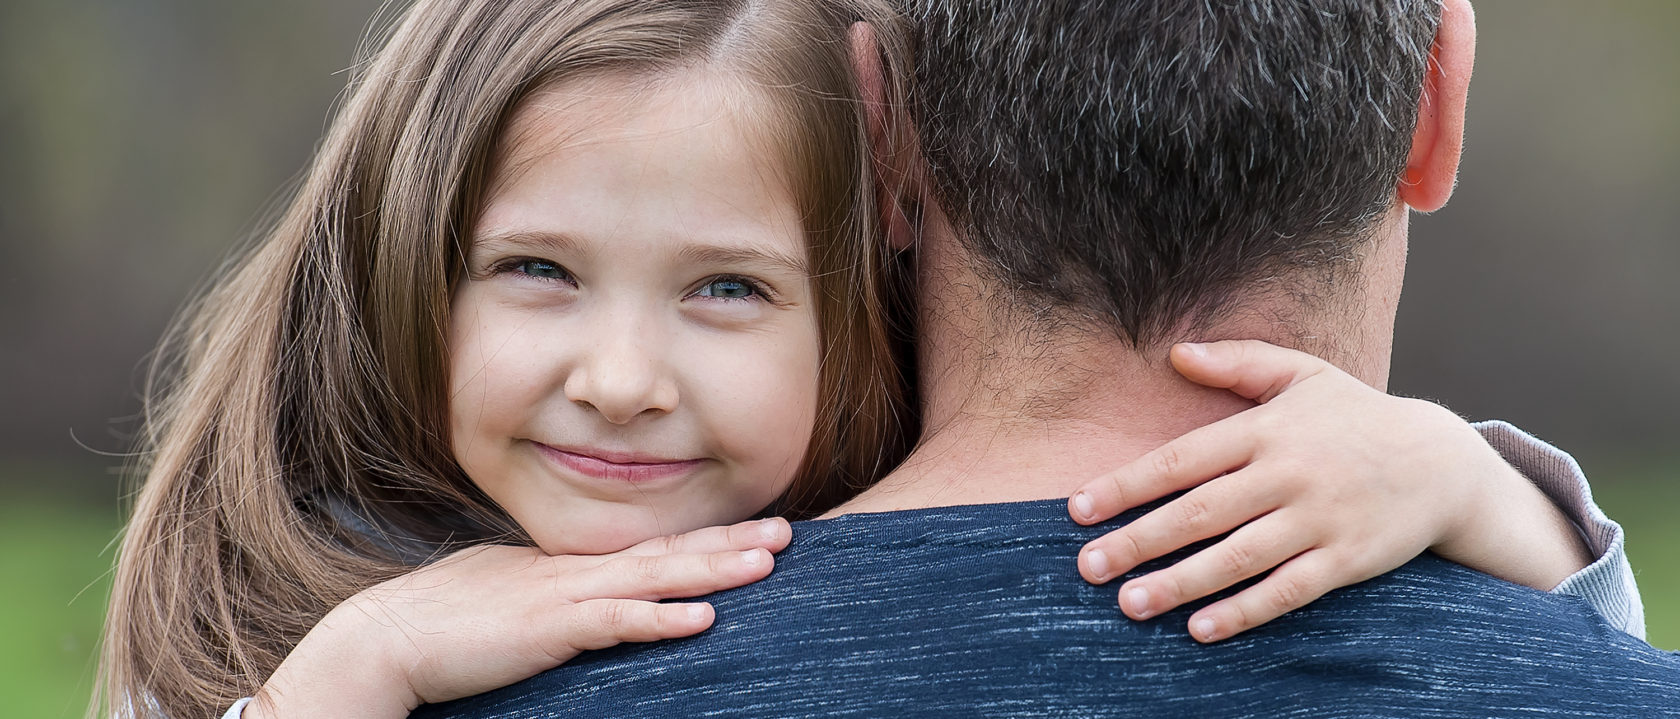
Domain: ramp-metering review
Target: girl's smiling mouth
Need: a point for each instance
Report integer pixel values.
(618, 466)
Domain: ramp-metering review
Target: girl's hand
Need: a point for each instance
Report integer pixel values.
(490, 616)
(1328, 481)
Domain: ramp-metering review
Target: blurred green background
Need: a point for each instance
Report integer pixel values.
(141, 139)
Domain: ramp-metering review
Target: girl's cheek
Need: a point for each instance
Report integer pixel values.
(491, 370)
(791, 407)
(763, 396)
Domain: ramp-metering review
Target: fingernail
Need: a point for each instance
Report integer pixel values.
(1097, 563)
(1083, 506)
(753, 557)
(696, 613)
(769, 528)
(1137, 599)
(1196, 349)
(1204, 629)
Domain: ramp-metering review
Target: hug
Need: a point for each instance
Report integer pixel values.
(1059, 331)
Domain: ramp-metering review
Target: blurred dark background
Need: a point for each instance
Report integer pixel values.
(141, 140)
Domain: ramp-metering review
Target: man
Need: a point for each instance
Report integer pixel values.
(1096, 182)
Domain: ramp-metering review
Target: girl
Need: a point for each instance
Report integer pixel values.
(570, 285)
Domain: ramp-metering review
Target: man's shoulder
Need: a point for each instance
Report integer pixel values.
(979, 609)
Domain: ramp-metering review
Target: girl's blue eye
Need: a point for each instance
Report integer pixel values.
(728, 288)
(543, 269)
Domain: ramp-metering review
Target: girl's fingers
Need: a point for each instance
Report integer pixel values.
(1194, 458)
(1251, 368)
(601, 623)
(462, 660)
(668, 576)
(772, 534)
(1294, 584)
(1206, 511)
(1254, 548)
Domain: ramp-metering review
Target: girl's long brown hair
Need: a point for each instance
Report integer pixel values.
(296, 450)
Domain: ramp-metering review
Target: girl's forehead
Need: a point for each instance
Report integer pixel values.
(616, 155)
(621, 106)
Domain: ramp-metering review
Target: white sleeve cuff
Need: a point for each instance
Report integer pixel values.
(1607, 584)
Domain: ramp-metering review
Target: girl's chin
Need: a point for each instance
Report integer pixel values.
(608, 529)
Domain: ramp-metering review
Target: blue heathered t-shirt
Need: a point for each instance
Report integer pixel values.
(979, 611)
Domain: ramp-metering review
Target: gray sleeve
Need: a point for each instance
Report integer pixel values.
(1606, 584)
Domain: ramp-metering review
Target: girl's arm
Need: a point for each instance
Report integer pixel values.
(1607, 584)
(1328, 481)
(490, 616)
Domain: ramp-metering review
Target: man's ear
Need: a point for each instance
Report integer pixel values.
(891, 146)
(1432, 166)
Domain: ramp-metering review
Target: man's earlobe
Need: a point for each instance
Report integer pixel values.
(1438, 140)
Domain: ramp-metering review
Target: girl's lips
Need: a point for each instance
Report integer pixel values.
(619, 467)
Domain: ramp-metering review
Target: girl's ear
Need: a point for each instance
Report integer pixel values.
(892, 152)
(1432, 166)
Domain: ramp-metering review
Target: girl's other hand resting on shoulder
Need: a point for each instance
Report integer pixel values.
(490, 616)
(1326, 483)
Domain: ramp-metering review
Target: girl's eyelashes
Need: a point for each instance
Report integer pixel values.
(729, 288)
(533, 267)
(734, 287)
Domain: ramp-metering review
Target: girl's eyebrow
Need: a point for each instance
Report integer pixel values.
(752, 256)
(550, 241)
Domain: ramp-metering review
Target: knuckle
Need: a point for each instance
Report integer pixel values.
(1242, 616)
(735, 535)
(746, 536)
(613, 616)
(1289, 593)
(1268, 425)
(1167, 461)
(1190, 513)
(648, 569)
(1237, 560)
(1131, 551)
(1117, 490)
(1294, 469)
(1171, 588)
(669, 544)
(718, 562)
(664, 619)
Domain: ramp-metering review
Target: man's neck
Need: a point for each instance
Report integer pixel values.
(989, 439)
(981, 459)
(1012, 415)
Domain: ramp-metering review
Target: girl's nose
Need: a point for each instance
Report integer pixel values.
(621, 380)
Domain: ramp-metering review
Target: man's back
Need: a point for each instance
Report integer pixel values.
(977, 610)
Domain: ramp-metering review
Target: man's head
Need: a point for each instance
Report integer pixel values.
(1151, 168)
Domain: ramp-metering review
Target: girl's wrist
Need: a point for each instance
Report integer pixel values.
(335, 673)
(1508, 512)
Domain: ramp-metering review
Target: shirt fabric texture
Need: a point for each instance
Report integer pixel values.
(978, 611)
(1607, 585)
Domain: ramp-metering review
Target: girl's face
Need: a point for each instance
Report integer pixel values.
(634, 349)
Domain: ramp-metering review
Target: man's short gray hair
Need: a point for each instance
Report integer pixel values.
(1142, 161)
